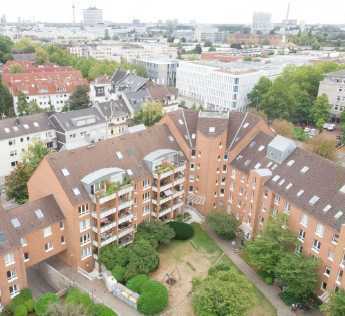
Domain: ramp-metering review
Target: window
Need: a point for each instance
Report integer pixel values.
(9, 259)
(83, 209)
(23, 242)
(323, 285)
(146, 196)
(47, 232)
(320, 229)
(316, 245)
(266, 194)
(233, 173)
(193, 153)
(299, 249)
(147, 208)
(62, 239)
(276, 199)
(304, 220)
(62, 225)
(224, 168)
(327, 272)
(331, 255)
(84, 239)
(84, 224)
(48, 246)
(11, 275)
(301, 235)
(26, 256)
(222, 192)
(190, 188)
(287, 207)
(14, 290)
(86, 252)
(192, 166)
(146, 183)
(335, 238)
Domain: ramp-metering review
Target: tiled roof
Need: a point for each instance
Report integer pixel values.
(112, 108)
(84, 160)
(24, 125)
(322, 178)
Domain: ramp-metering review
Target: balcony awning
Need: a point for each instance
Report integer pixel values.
(168, 192)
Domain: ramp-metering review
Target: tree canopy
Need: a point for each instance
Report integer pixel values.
(224, 225)
(5, 49)
(79, 99)
(150, 113)
(323, 145)
(336, 304)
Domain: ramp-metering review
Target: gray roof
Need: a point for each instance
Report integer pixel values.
(339, 73)
(137, 98)
(126, 81)
(112, 108)
(67, 121)
(24, 125)
(320, 177)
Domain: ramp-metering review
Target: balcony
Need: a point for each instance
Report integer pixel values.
(113, 189)
(125, 218)
(177, 206)
(104, 213)
(165, 211)
(168, 168)
(108, 239)
(125, 204)
(180, 180)
(107, 227)
(125, 231)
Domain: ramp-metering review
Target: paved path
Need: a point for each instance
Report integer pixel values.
(97, 290)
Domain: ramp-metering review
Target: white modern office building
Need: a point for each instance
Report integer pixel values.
(92, 16)
(215, 88)
(262, 22)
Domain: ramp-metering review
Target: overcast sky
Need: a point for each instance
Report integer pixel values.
(204, 11)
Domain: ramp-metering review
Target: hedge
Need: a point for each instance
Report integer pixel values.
(118, 273)
(20, 310)
(183, 231)
(136, 283)
(29, 304)
(102, 310)
(21, 299)
(43, 303)
(76, 297)
(153, 299)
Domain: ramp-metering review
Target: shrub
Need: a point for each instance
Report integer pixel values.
(24, 296)
(118, 273)
(43, 303)
(20, 310)
(136, 283)
(76, 297)
(154, 298)
(224, 225)
(183, 231)
(102, 310)
(219, 267)
(29, 305)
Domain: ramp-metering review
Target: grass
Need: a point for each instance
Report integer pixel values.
(202, 243)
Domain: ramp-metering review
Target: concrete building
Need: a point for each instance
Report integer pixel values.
(50, 86)
(232, 161)
(101, 90)
(17, 134)
(214, 87)
(160, 71)
(334, 87)
(78, 128)
(262, 22)
(92, 16)
(204, 33)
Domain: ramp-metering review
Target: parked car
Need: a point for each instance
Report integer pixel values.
(329, 126)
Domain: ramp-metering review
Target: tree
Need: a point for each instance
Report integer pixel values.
(16, 182)
(6, 101)
(336, 304)
(323, 145)
(265, 251)
(198, 49)
(222, 293)
(255, 97)
(5, 49)
(43, 303)
(26, 108)
(59, 309)
(183, 231)
(284, 128)
(102, 310)
(320, 111)
(208, 44)
(24, 45)
(149, 114)
(223, 224)
(79, 99)
(342, 127)
(41, 56)
(153, 299)
(299, 276)
(156, 232)
(136, 283)
(15, 68)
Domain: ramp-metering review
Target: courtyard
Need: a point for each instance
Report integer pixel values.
(185, 260)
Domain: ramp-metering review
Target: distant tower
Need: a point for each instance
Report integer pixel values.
(286, 22)
(73, 12)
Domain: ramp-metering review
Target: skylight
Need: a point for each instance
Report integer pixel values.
(300, 192)
(313, 200)
(119, 155)
(281, 182)
(171, 138)
(304, 169)
(26, 126)
(252, 144)
(276, 178)
(247, 162)
(261, 148)
(76, 191)
(7, 130)
(327, 208)
(36, 124)
(239, 157)
(129, 172)
(289, 186)
(39, 214)
(193, 136)
(274, 167)
(180, 121)
(342, 189)
(290, 163)
(269, 164)
(65, 172)
(338, 215)
(257, 166)
(211, 129)
(15, 222)
(245, 125)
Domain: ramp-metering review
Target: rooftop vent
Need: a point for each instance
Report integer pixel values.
(305, 169)
(269, 164)
(193, 136)
(15, 222)
(247, 162)
(327, 208)
(314, 200)
(65, 172)
(252, 144)
(39, 214)
(280, 148)
(239, 157)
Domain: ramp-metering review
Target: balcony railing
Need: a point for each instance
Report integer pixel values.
(125, 231)
(168, 169)
(125, 218)
(125, 204)
(113, 189)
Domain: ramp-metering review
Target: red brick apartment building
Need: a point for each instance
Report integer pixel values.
(49, 85)
(84, 199)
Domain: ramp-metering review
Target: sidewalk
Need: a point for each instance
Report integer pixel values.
(97, 290)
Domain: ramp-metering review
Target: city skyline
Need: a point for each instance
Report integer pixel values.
(152, 10)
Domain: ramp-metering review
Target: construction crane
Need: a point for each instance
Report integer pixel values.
(285, 26)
